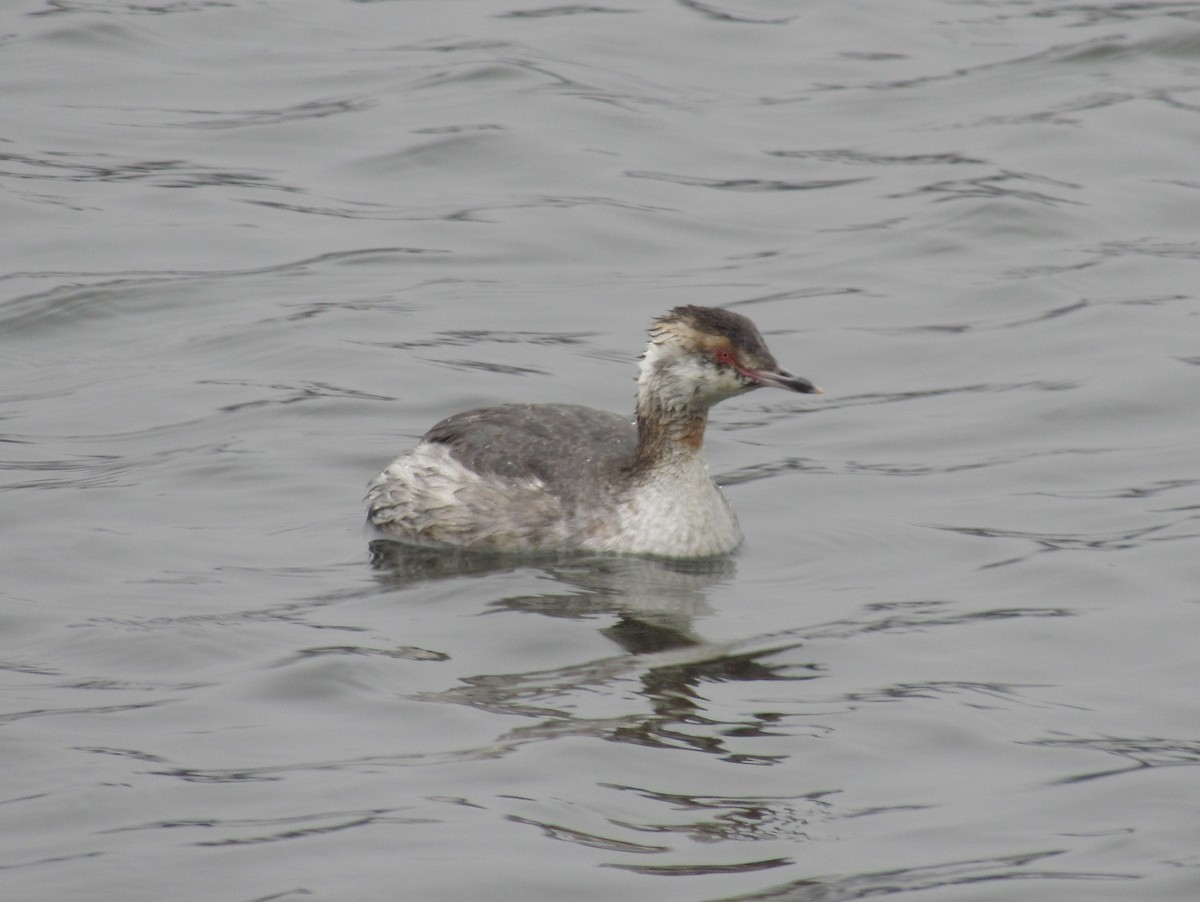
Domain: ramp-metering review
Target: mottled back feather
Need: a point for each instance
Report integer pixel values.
(568, 447)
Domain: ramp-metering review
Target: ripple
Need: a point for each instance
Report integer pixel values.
(1143, 754)
(309, 109)
(1047, 541)
(670, 682)
(1083, 14)
(698, 870)
(970, 389)
(1008, 185)
(294, 613)
(291, 394)
(125, 292)
(488, 163)
(498, 368)
(481, 213)
(1157, 487)
(87, 472)
(406, 652)
(366, 764)
(591, 840)
(716, 13)
(909, 616)
(547, 12)
(29, 669)
(457, 338)
(14, 716)
(847, 887)
(1062, 113)
(736, 818)
(770, 469)
(861, 157)
(744, 184)
(125, 7)
(160, 173)
(1114, 250)
(258, 831)
(983, 696)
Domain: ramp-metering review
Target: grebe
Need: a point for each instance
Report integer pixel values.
(559, 477)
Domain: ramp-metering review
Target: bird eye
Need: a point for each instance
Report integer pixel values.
(724, 355)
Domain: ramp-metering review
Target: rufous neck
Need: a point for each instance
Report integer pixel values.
(667, 433)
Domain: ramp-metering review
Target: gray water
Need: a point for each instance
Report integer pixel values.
(253, 249)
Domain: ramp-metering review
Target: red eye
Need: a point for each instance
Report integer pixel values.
(724, 355)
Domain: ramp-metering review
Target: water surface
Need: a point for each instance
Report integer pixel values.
(254, 249)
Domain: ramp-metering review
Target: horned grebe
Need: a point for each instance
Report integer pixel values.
(558, 477)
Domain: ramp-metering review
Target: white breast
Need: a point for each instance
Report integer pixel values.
(679, 512)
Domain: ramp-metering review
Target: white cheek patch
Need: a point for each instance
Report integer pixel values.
(688, 380)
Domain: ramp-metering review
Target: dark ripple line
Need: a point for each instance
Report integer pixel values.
(498, 68)
(155, 277)
(1002, 692)
(976, 388)
(590, 840)
(1143, 754)
(303, 828)
(1151, 248)
(402, 652)
(872, 398)
(858, 157)
(711, 11)
(770, 469)
(295, 614)
(565, 10)
(844, 888)
(310, 109)
(56, 859)
(796, 294)
(298, 833)
(1051, 314)
(993, 186)
(307, 391)
(161, 7)
(470, 337)
(273, 772)
(56, 712)
(82, 300)
(486, 366)
(370, 211)
(670, 681)
(284, 895)
(165, 173)
(1111, 250)
(1052, 56)
(90, 471)
(901, 617)
(30, 669)
(1147, 491)
(733, 818)
(1085, 14)
(744, 184)
(1063, 541)
(1057, 113)
(700, 870)
(132, 754)
(918, 616)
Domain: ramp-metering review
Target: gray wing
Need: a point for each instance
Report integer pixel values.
(569, 447)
